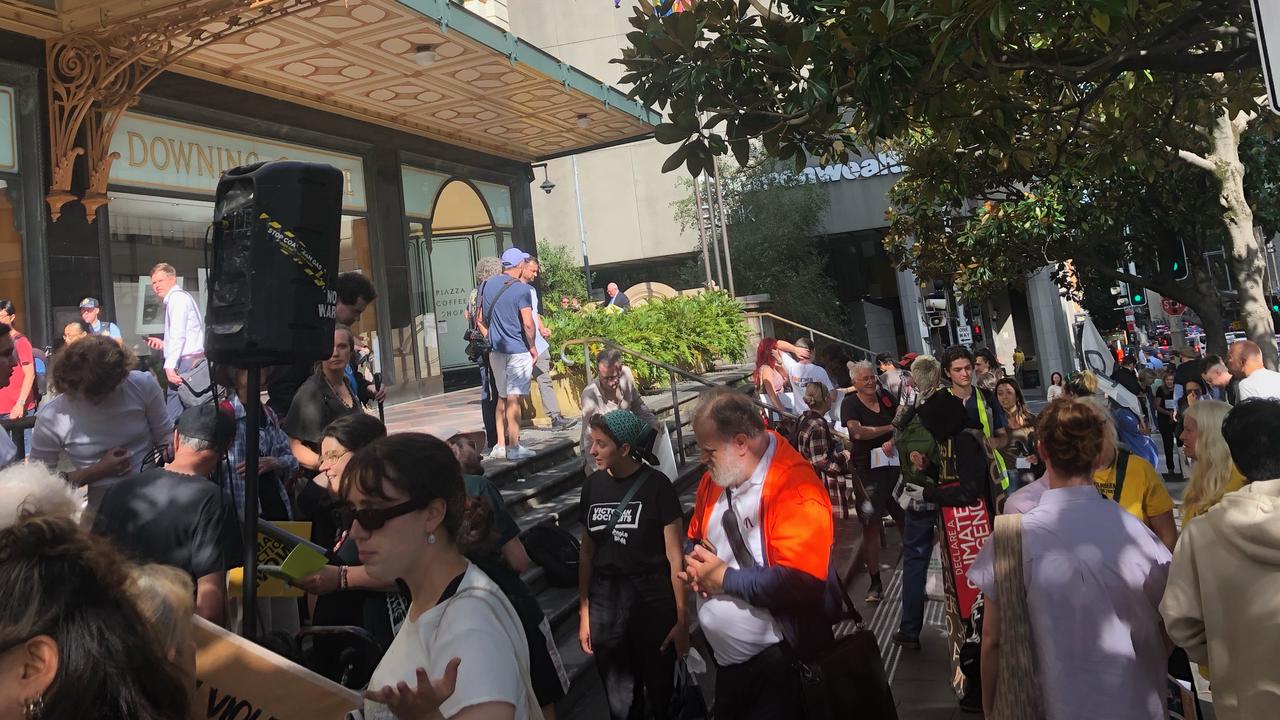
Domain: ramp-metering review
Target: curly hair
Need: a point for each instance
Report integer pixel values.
(62, 583)
(1072, 435)
(487, 267)
(92, 368)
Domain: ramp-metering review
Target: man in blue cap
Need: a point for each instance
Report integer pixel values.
(505, 316)
(90, 312)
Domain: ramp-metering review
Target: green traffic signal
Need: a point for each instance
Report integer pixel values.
(1138, 298)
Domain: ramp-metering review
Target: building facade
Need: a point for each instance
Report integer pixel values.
(433, 114)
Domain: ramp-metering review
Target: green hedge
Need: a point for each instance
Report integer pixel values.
(690, 332)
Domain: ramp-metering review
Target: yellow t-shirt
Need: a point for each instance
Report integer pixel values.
(1143, 496)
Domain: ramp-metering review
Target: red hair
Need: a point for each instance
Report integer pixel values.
(764, 354)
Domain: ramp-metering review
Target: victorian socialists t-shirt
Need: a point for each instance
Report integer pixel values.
(475, 624)
(636, 545)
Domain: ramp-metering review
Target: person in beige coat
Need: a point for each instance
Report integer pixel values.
(1222, 601)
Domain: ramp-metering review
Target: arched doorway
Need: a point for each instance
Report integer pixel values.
(466, 220)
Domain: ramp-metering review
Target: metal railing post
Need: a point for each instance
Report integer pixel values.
(675, 413)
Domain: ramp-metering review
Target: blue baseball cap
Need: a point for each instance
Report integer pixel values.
(512, 257)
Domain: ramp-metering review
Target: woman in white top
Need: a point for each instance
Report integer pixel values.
(461, 653)
(107, 420)
(1057, 386)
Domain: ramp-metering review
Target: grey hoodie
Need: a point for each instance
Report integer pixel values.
(1222, 602)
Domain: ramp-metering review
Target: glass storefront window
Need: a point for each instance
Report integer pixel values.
(146, 230)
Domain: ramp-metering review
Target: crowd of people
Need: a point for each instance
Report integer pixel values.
(1074, 592)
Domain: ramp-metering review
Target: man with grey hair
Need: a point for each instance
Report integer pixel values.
(613, 389)
(176, 515)
(34, 488)
(758, 558)
(617, 298)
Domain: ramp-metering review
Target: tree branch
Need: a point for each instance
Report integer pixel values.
(1195, 159)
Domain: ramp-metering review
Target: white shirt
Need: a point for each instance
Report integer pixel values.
(477, 625)
(1261, 383)
(539, 342)
(801, 374)
(1095, 576)
(183, 327)
(133, 417)
(738, 631)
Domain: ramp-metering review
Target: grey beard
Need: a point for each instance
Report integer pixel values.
(731, 476)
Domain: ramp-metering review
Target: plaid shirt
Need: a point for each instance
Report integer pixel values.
(272, 442)
(815, 443)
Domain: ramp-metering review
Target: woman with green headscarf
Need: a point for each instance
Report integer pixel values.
(631, 601)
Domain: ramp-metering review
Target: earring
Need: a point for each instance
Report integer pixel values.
(431, 538)
(33, 709)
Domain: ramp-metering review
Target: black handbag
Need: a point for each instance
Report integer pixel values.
(687, 702)
(848, 678)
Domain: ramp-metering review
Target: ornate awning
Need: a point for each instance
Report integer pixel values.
(423, 66)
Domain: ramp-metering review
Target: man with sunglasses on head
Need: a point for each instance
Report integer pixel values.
(613, 389)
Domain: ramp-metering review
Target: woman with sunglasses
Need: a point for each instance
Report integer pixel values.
(346, 595)
(630, 598)
(461, 652)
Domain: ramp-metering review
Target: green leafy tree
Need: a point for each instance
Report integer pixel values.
(773, 240)
(1034, 89)
(560, 274)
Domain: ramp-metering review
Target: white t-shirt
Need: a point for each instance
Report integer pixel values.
(539, 342)
(133, 417)
(738, 631)
(801, 374)
(1261, 383)
(477, 625)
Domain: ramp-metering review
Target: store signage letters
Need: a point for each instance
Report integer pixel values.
(881, 164)
(162, 154)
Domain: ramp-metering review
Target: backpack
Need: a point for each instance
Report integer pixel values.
(556, 550)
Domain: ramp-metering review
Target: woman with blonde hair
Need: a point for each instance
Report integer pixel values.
(1213, 474)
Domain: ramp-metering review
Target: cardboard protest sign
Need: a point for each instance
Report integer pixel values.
(238, 680)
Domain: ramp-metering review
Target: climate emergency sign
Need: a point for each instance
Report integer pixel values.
(238, 680)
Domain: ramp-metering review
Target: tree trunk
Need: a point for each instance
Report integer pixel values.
(1247, 263)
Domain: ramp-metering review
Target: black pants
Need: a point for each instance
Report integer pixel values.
(1165, 426)
(630, 617)
(766, 687)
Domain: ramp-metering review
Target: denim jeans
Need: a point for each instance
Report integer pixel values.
(488, 404)
(917, 546)
(630, 616)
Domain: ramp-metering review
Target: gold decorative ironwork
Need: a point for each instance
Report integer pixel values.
(96, 74)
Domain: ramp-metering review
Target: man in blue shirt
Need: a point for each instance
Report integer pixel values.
(90, 310)
(505, 316)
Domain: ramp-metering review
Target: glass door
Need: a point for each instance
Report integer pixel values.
(453, 264)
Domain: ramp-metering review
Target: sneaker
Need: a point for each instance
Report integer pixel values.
(560, 423)
(519, 452)
(906, 641)
(499, 452)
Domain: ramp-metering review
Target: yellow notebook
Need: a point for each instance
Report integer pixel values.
(284, 554)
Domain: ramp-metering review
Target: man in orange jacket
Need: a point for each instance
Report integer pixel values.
(759, 558)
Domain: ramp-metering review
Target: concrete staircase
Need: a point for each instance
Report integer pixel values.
(547, 489)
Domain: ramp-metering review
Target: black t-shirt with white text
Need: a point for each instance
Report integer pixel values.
(165, 517)
(636, 545)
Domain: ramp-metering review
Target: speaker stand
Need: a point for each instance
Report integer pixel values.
(253, 414)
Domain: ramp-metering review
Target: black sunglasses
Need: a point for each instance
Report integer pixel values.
(374, 518)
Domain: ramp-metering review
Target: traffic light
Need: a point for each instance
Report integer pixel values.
(977, 333)
(1120, 291)
(1173, 260)
(1137, 297)
(1274, 301)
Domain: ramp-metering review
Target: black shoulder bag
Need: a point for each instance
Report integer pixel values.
(849, 674)
(626, 499)
(478, 345)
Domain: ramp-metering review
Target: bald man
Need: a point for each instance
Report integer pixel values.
(1244, 360)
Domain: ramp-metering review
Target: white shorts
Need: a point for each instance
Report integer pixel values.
(512, 374)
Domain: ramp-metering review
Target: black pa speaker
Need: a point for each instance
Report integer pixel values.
(275, 258)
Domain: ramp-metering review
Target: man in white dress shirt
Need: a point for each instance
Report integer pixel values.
(183, 342)
(758, 557)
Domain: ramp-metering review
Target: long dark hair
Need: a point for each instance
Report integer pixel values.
(61, 582)
(1020, 403)
(425, 469)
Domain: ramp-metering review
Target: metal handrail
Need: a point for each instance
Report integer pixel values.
(812, 332)
(672, 372)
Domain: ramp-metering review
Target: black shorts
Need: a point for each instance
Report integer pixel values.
(879, 484)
